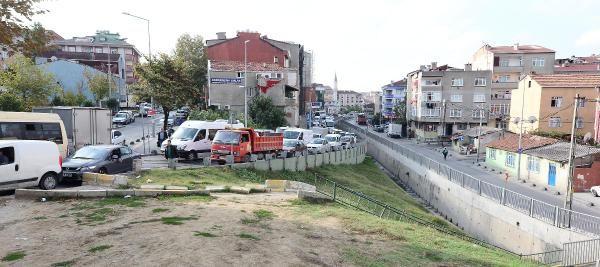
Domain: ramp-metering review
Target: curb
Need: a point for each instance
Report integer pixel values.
(38, 193)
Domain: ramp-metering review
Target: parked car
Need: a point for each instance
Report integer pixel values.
(334, 141)
(130, 115)
(378, 128)
(109, 159)
(318, 145)
(120, 118)
(294, 148)
(25, 163)
(117, 138)
(348, 141)
(595, 190)
(316, 135)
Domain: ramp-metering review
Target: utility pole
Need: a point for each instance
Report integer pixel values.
(569, 195)
(443, 121)
(520, 151)
(246, 83)
(481, 113)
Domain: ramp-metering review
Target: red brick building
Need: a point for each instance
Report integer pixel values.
(259, 50)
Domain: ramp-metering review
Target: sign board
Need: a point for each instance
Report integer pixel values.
(316, 104)
(226, 80)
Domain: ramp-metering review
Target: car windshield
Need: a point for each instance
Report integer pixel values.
(290, 135)
(346, 139)
(289, 143)
(183, 133)
(331, 138)
(226, 137)
(317, 141)
(90, 152)
(121, 115)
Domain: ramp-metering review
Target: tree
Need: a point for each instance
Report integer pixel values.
(11, 102)
(98, 84)
(400, 112)
(35, 41)
(72, 99)
(30, 83)
(190, 52)
(265, 114)
(13, 16)
(163, 78)
(112, 104)
(208, 115)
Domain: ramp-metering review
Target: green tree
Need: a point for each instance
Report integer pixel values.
(208, 115)
(98, 84)
(112, 104)
(27, 81)
(264, 114)
(190, 52)
(11, 102)
(72, 99)
(13, 18)
(163, 79)
(400, 112)
(35, 41)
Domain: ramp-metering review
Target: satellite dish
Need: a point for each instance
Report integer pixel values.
(532, 119)
(517, 120)
(53, 58)
(587, 137)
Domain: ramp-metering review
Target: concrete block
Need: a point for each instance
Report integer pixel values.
(310, 161)
(119, 180)
(104, 179)
(268, 157)
(206, 161)
(301, 164)
(62, 193)
(229, 159)
(31, 193)
(198, 192)
(215, 188)
(297, 186)
(91, 193)
(318, 160)
(89, 178)
(261, 165)
(175, 192)
(239, 190)
(175, 187)
(276, 185)
(276, 164)
(147, 192)
(152, 186)
(314, 197)
(289, 164)
(338, 158)
(258, 188)
(326, 158)
(245, 165)
(119, 193)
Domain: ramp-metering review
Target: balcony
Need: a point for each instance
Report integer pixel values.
(82, 56)
(388, 105)
(498, 69)
(388, 96)
(430, 112)
(504, 85)
(500, 96)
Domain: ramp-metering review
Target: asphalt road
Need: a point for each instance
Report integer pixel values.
(465, 164)
(136, 130)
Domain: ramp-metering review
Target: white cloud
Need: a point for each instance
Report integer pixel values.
(589, 38)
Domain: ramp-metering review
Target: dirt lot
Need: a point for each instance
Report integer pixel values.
(260, 230)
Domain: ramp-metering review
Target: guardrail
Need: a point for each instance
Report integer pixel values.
(552, 214)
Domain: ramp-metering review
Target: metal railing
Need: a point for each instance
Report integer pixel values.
(581, 252)
(552, 214)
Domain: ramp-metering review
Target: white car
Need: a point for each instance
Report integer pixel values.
(117, 138)
(334, 140)
(120, 118)
(595, 190)
(25, 163)
(318, 145)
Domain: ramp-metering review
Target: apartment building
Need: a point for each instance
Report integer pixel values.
(373, 98)
(548, 100)
(578, 65)
(443, 100)
(348, 98)
(508, 64)
(392, 94)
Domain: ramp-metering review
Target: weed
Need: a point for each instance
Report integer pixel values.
(99, 248)
(176, 220)
(248, 236)
(13, 256)
(216, 227)
(63, 216)
(203, 234)
(264, 214)
(132, 202)
(198, 198)
(249, 221)
(63, 264)
(123, 186)
(146, 221)
(157, 210)
(40, 218)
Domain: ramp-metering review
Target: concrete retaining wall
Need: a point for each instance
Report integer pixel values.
(289, 164)
(276, 164)
(310, 161)
(318, 160)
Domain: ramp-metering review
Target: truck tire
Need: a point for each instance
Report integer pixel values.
(49, 181)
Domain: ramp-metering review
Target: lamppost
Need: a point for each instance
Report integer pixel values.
(246, 83)
(149, 47)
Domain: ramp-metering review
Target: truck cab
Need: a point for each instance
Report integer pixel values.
(242, 143)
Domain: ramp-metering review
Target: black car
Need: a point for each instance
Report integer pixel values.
(378, 128)
(108, 159)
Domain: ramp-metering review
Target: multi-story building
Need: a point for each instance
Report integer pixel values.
(581, 65)
(349, 98)
(546, 102)
(508, 65)
(392, 94)
(442, 100)
(373, 98)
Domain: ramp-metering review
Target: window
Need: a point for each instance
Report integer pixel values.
(31, 131)
(211, 133)
(479, 98)
(279, 76)
(478, 113)
(461, 126)
(98, 49)
(456, 98)
(432, 96)
(504, 62)
(455, 113)
(578, 122)
(554, 122)
(480, 81)
(538, 62)
(114, 51)
(504, 78)
(125, 151)
(492, 154)
(286, 62)
(245, 138)
(457, 81)
(117, 134)
(510, 160)
(533, 164)
(556, 101)
(275, 60)
(7, 155)
(581, 103)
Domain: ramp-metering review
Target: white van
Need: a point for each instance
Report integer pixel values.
(25, 163)
(304, 135)
(335, 141)
(194, 137)
(34, 126)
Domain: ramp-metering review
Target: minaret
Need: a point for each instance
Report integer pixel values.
(335, 92)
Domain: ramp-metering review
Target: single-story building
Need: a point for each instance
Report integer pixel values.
(466, 141)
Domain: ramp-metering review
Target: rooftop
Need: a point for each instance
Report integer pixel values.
(567, 80)
(510, 142)
(560, 151)
(218, 65)
(474, 131)
(519, 49)
(578, 68)
(101, 37)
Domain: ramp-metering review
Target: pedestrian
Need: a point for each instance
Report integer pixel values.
(170, 154)
(445, 153)
(162, 136)
(170, 132)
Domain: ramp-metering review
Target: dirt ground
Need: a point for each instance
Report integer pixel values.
(224, 231)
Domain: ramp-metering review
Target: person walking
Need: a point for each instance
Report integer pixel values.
(170, 154)
(170, 132)
(161, 137)
(445, 153)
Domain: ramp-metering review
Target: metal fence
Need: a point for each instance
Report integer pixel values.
(552, 214)
(581, 252)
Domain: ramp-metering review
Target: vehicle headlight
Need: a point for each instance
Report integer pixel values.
(182, 147)
(88, 168)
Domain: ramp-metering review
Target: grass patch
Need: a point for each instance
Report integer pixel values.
(158, 210)
(176, 220)
(14, 256)
(99, 248)
(248, 236)
(264, 214)
(203, 234)
(198, 178)
(175, 198)
(98, 211)
(132, 202)
(40, 218)
(249, 220)
(63, 216)
(63, 263)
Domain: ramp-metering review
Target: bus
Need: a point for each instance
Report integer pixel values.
(34, 126)
(361, 119)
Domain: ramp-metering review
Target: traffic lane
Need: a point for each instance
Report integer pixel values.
(467, 167)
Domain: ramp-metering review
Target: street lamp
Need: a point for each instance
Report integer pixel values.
(246, 83)
(149, 48)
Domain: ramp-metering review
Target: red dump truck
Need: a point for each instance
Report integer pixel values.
(244, 142)
(361, 119)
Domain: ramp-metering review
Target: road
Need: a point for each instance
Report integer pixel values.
(466, 164)
(133, 132)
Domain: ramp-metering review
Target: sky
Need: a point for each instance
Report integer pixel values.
(367, 43)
